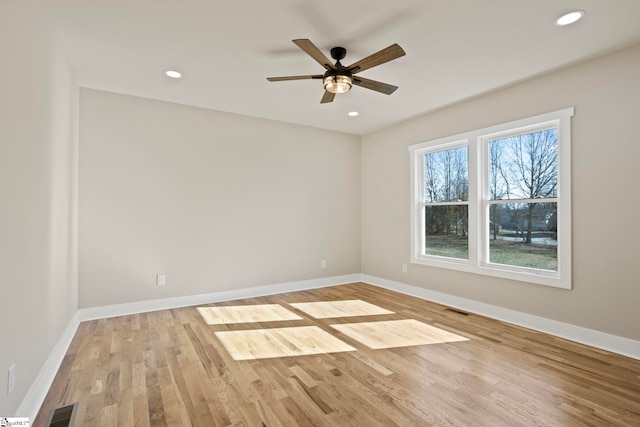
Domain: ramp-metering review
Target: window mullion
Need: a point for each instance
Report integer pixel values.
(539, 200)
(474, 195)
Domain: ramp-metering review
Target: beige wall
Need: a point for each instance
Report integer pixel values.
(606, 195)
(215, 201)
(38, 144)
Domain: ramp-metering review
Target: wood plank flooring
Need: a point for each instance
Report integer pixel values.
(169, 368)
(339, 309)
(246, 314)
(280, 342)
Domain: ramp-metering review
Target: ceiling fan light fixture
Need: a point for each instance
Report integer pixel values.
(337, 83)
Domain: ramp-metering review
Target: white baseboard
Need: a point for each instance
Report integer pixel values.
(93, 313)
(616, 344)
(36, 394)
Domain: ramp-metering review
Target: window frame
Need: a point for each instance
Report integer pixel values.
(423, 204)
(477, 142)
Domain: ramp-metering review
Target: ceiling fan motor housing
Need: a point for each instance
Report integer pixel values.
(339, 71)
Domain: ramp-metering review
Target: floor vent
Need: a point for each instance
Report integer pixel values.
(457, 311)
(63, 416)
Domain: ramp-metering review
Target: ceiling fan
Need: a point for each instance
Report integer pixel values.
(338, 78)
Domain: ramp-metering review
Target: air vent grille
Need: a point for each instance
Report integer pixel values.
(63, 416)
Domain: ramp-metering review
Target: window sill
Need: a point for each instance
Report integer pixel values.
(538, 277)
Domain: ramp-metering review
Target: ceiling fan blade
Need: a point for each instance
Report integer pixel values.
(313, 51)
(282, 79)
(327, 97)
(385, 55)
(374, 85)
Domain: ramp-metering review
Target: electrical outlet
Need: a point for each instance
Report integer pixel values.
(11, 379)
(404, 268)
(323, 263)
(161, 280)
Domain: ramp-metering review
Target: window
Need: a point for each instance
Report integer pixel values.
(496, 201)
(446, 200)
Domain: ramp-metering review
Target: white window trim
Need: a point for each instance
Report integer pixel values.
(478, 192)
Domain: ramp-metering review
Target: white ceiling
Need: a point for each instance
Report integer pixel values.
(456, 49)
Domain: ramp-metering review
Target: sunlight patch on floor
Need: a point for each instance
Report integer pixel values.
(280, 342)
(347, 308)
(397, 333)
(246, 314)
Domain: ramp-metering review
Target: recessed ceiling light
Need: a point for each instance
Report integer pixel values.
(570, 18)
(173, 74)
(353, 113)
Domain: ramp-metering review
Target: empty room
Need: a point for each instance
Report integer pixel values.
(296, 213)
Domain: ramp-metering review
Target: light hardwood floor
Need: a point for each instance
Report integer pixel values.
(169, 368)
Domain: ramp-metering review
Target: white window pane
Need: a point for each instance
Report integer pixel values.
(524, 166)
(446, 175)
(446, 231)
(524, 235)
